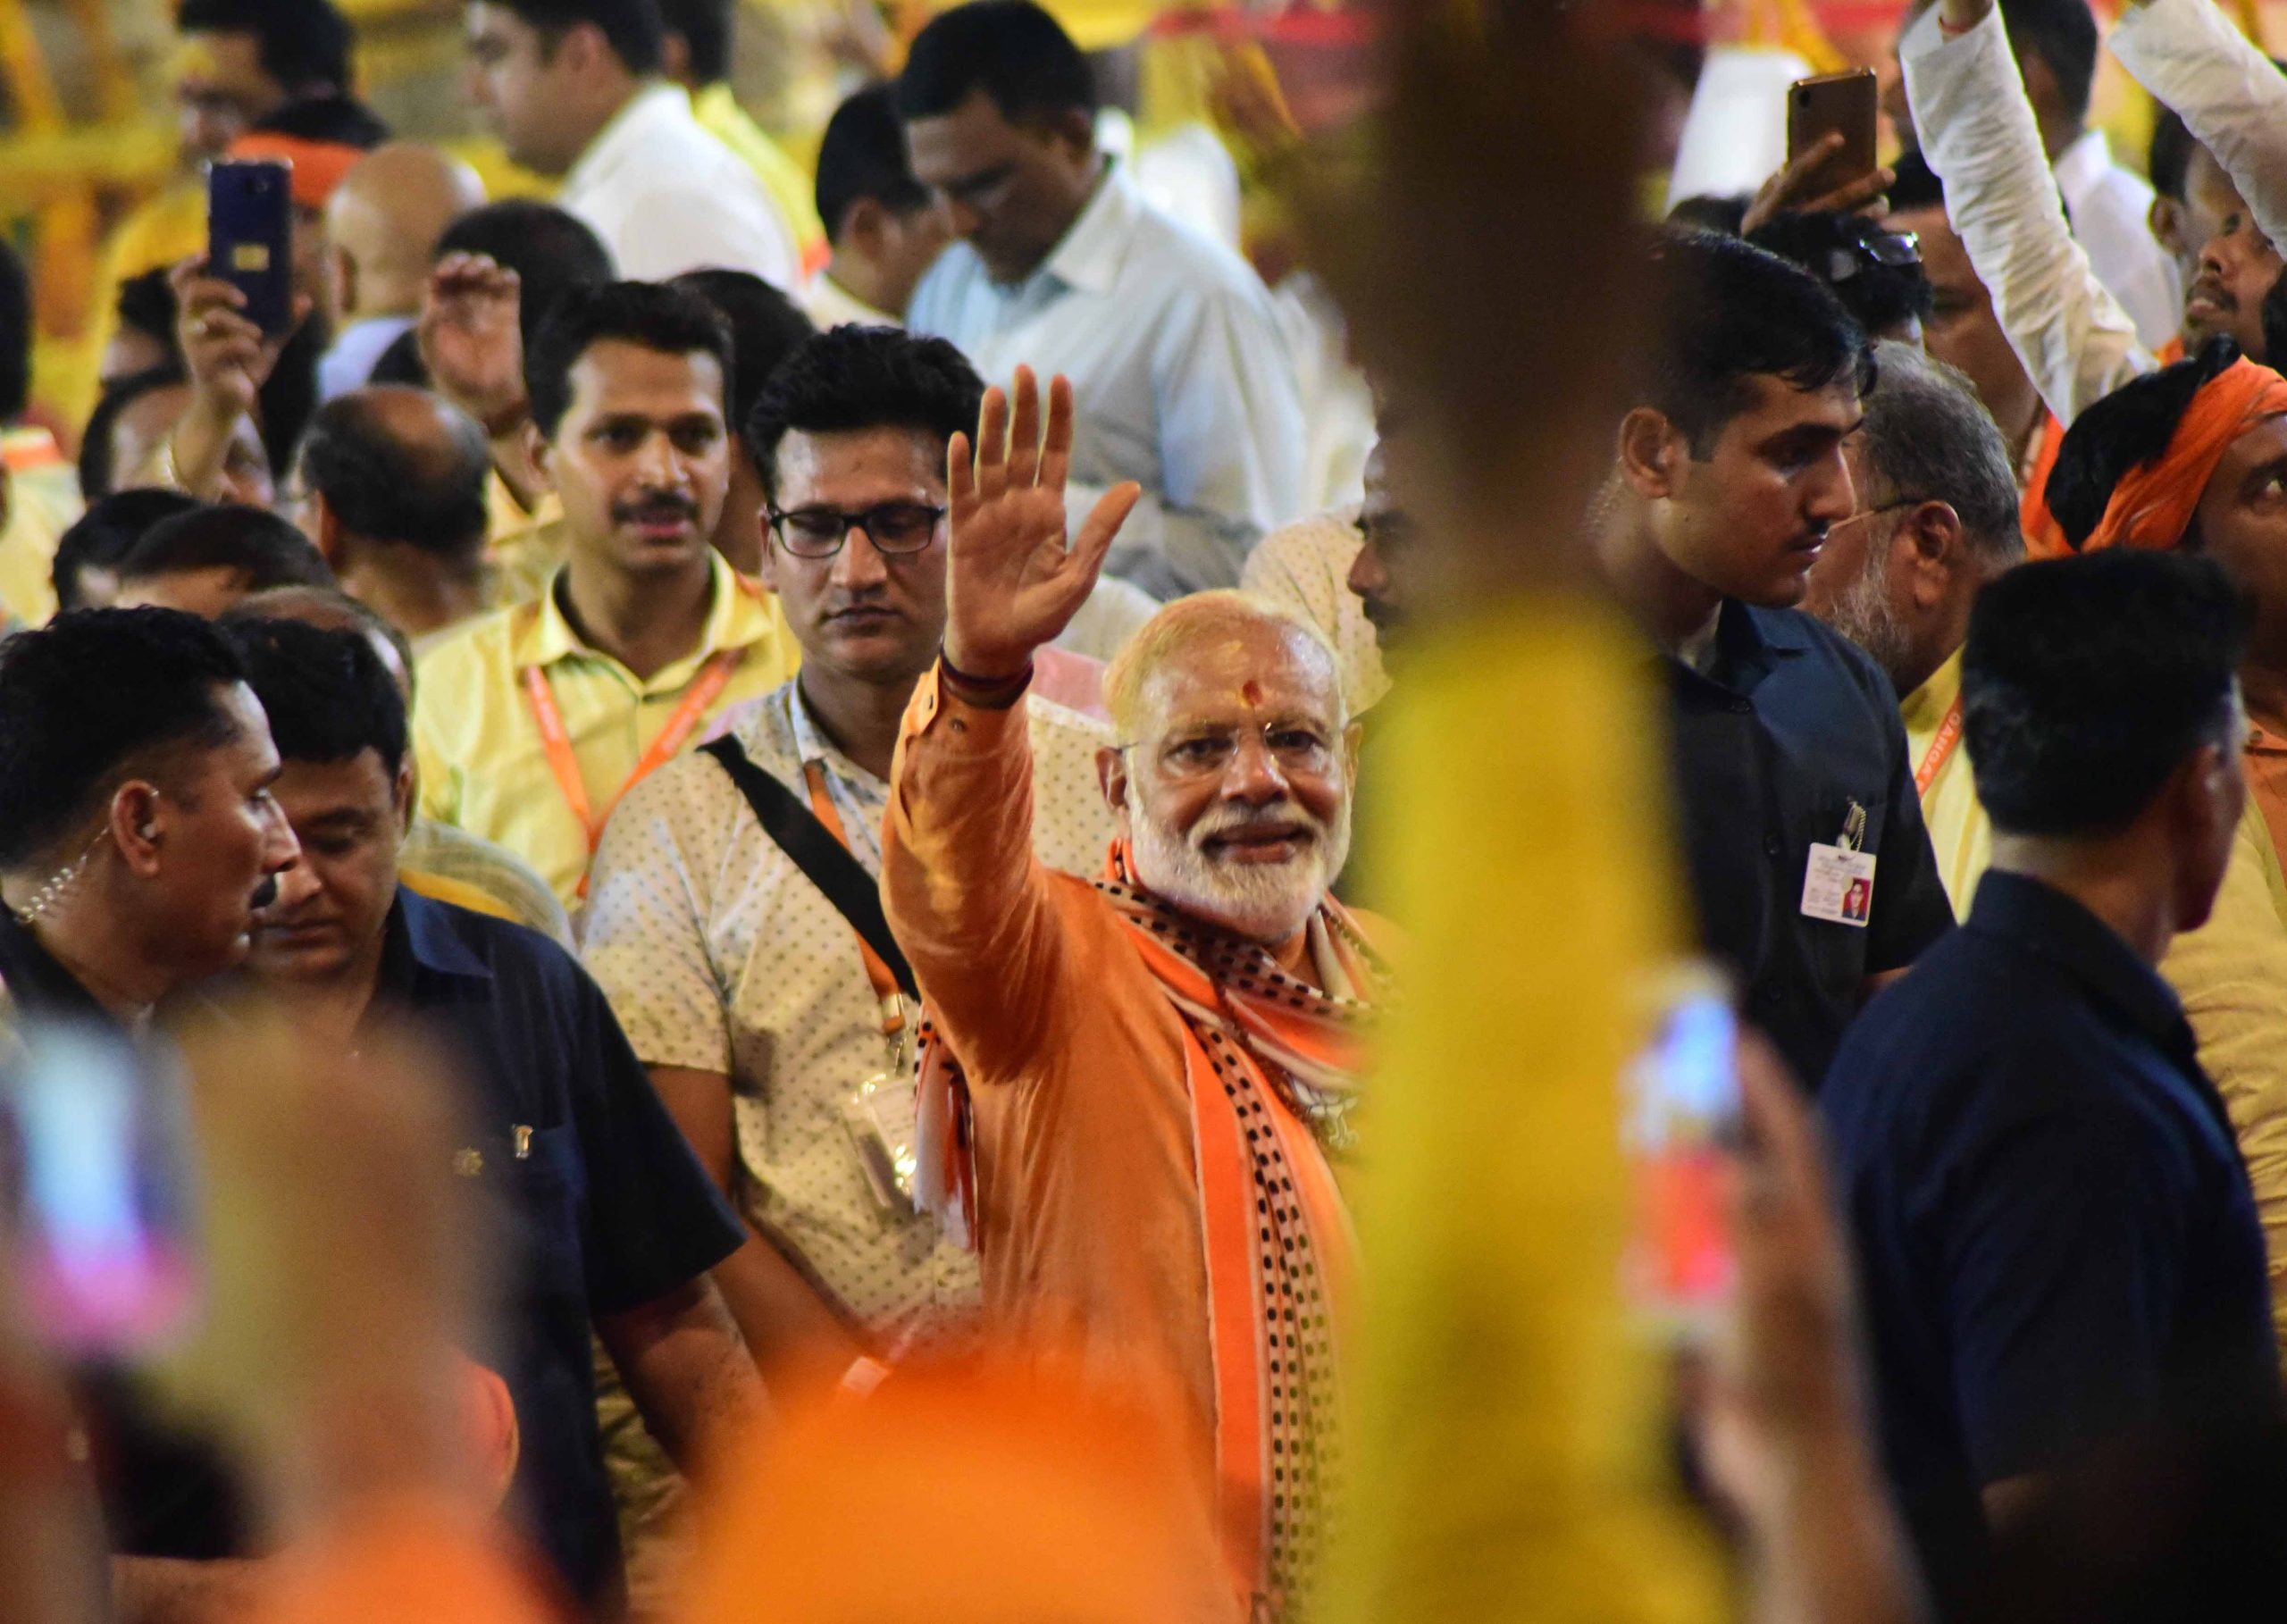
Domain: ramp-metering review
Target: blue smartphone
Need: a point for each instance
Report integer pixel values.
(94, 1190)
(250, 237)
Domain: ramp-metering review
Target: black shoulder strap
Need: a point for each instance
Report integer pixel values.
(823, 859)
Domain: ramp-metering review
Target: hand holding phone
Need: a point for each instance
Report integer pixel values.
(1834, 116)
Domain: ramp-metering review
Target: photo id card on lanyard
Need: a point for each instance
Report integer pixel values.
(881, 1115)
(556, 741)
(1839, 881)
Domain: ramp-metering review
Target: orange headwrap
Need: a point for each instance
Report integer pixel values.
(318, 165)
(2153, 505)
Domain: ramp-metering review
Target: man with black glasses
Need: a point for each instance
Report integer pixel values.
(733, 916)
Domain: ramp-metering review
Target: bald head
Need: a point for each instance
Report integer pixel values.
(383, 222)
(393, 463)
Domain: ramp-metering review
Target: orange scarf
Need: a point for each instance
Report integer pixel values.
(318, 167)
(1270, 1062)
(2044, 536)
(2154, 503)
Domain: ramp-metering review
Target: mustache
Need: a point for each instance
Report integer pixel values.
(1280, 816)
(660, 505)
(2214, 291)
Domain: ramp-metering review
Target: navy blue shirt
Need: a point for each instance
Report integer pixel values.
(2055, 1237)
(599, 1205)
(1790, 727)
(603, 1206)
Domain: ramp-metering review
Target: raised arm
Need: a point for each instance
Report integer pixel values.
(969, 901)
(1978, 134)
(2188, 55)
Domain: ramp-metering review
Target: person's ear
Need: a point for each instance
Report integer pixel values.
(326, 532)
(864, 230)
(137, 826)
(1112, 774)
(2165, 220)
(401, 798)
(1932, 545)
(538, 451)
(1652, 454)
(1352, 737)
(1075, 129)
(341, 273)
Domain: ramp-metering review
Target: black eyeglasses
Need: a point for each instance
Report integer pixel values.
(894, 528)
(1893, 250)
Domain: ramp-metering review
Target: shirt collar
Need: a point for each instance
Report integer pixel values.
(736, 618)
(649, 109)
(2047, 923)
(2082, 167)
(1095, 247)
(37, 984)
(1924, 709)
(418, 947)
(811, 744)
(1749, 643)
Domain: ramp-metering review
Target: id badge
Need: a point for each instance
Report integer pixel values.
(1838, 886)
(881, 1116)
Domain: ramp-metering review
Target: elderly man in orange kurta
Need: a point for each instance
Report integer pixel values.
(1140, 1088)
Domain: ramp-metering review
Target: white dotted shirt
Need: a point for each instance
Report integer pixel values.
(1305, 567)
(718, 955)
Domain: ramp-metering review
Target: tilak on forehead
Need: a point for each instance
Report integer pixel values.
(1250, 691)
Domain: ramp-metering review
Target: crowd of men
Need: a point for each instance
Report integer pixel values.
(834, 707)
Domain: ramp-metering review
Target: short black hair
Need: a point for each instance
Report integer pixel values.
(147, 302)
(1012, 50)
(2170, 160)
(428, 496)
(2127, 428)
(1727, 312)
(632, 28)
(305, 45)
(705, 29)
(1916, 185)
(766, 328)
(104, 535)
(863, 155)
(2062, 33)
(339, 118)
(16, 335)
(1852, 255)
(2087, 681)
(98, 476)
(672, 321)
(864, 378)
(85, 696)
(227, 535)
(297, 602)
(551, 251)
(328, 695)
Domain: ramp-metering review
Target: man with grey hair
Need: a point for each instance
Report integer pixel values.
(1937, 519)
(1139, 1089)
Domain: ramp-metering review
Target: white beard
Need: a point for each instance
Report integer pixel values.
(1263, 902)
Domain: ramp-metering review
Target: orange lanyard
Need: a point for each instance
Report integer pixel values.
(884, 984)
(704, 690)
(1940, 750)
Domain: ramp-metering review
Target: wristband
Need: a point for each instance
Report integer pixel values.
(990, 693)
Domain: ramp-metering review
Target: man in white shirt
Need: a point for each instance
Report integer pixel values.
(881, 224)
(743, 988)
(1183, 377)
(2055, 42)
(1981, 137)
(574, 89)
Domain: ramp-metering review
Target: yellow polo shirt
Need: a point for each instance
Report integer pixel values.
(523, 547)
(1959, 828)
(483, 766)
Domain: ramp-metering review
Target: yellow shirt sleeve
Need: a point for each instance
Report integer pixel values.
(1510, 1458)
(2232, 974)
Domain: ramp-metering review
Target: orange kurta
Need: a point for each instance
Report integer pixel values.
(1092, 1230)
